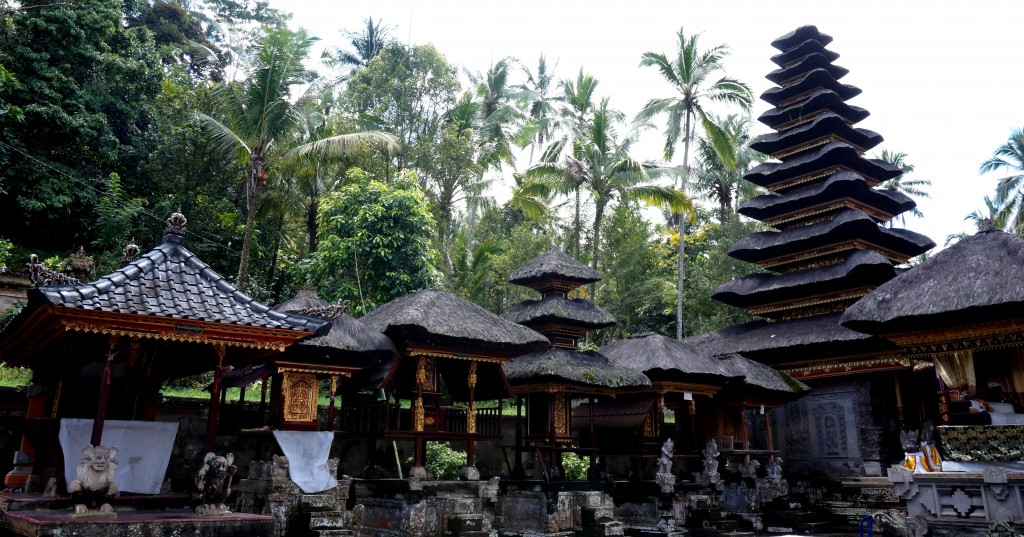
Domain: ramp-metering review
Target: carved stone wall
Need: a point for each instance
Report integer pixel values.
(961, 503)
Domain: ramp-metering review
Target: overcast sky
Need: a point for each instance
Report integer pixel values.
(943, 84)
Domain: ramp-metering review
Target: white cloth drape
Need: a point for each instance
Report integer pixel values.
(143, 450)
(307, 453)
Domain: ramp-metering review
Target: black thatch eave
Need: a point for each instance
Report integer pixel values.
(664, 358)
(861, 268)
(827, 124)
(977, 280)
(437, 316)
(848, 224)
(839, 185)
(348, 339)
(798, 36)
(577, 312)
(832, 154)
(580, 369)
(817, 101)
(760, 379)
(170, 281)
(814, 60)
(816, 78)
(305, 299)
(809, 46)
(553, 264)
(817, 337)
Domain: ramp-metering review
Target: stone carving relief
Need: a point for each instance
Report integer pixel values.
(830, 423)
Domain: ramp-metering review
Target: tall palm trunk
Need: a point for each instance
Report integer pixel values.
(312, 227)
(256, 166)
(576, 225)
(598, 216)
(682, 231)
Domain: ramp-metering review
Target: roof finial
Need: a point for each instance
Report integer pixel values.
(176, 224)
(987, 224)
(130, 253)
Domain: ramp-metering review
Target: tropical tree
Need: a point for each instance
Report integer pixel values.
(1009, 158)
(257, 117)
(540, 105)
(691, 74)
(719, 176)
(365, 46)
(914, 188)
(600, 161)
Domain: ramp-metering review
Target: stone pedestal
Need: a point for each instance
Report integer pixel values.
(269, 491)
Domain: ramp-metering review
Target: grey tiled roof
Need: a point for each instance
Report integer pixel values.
(170, 281)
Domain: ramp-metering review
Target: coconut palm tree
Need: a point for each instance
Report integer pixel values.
(536, 92)
(600, 160)
(719, 177)
(1009, 157)
(913, 188)
(691, 74)
(258, 118)
(366, 45)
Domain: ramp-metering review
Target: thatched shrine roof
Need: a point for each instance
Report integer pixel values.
(809, 62)
(169, 281)
(822, 162)
(816, 102)
(581, 370)
(577, 312)
(439, 317)
(347, 335)
(847, 225)
(825, 127)
(820, 336)
(816, 78)
(664, 358)
(775, 294)
(758, 377)
(613, 414)
(800, 35)
(975, 281)
(553, 264)
(796, 205)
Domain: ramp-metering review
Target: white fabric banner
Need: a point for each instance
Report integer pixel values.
(307, 453)
(143, 450)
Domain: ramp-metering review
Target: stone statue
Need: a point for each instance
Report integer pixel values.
(749, 470)
(711, 454)
(665, 478)
(213, 483)
(774, 469)
(96, 480)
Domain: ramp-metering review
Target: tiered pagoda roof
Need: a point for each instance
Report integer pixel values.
(563, 321)
(830, 246)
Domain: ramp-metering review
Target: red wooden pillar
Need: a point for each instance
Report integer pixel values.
(218, 377)
(101, 407)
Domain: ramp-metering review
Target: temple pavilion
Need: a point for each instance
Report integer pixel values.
(830, 245)
(549, 380)
(99, 354)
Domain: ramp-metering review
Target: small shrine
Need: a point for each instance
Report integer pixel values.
(450, 358)
(548, 380)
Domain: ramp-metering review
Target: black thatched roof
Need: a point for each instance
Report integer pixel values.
(848, 224)
(833, 154)
(973, 281)
(808, 63)
(816, 102)
(816, 78)
(570, 367)
(553, 264)
(771, 207)
(664, 358)
(758, 377)
(438, 316)
(825, 125)
(613, 414)
(304, 300)
(810, 46)
(348, 337)
(861, 268)
(578, 312)
(798, 36)
(170, 281)
(820, 336)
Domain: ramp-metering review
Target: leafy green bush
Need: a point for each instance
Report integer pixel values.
(575, 466)
(443, 461)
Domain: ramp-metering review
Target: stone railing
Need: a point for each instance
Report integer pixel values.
(961, 503)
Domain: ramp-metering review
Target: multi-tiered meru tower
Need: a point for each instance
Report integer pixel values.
(832, 246)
